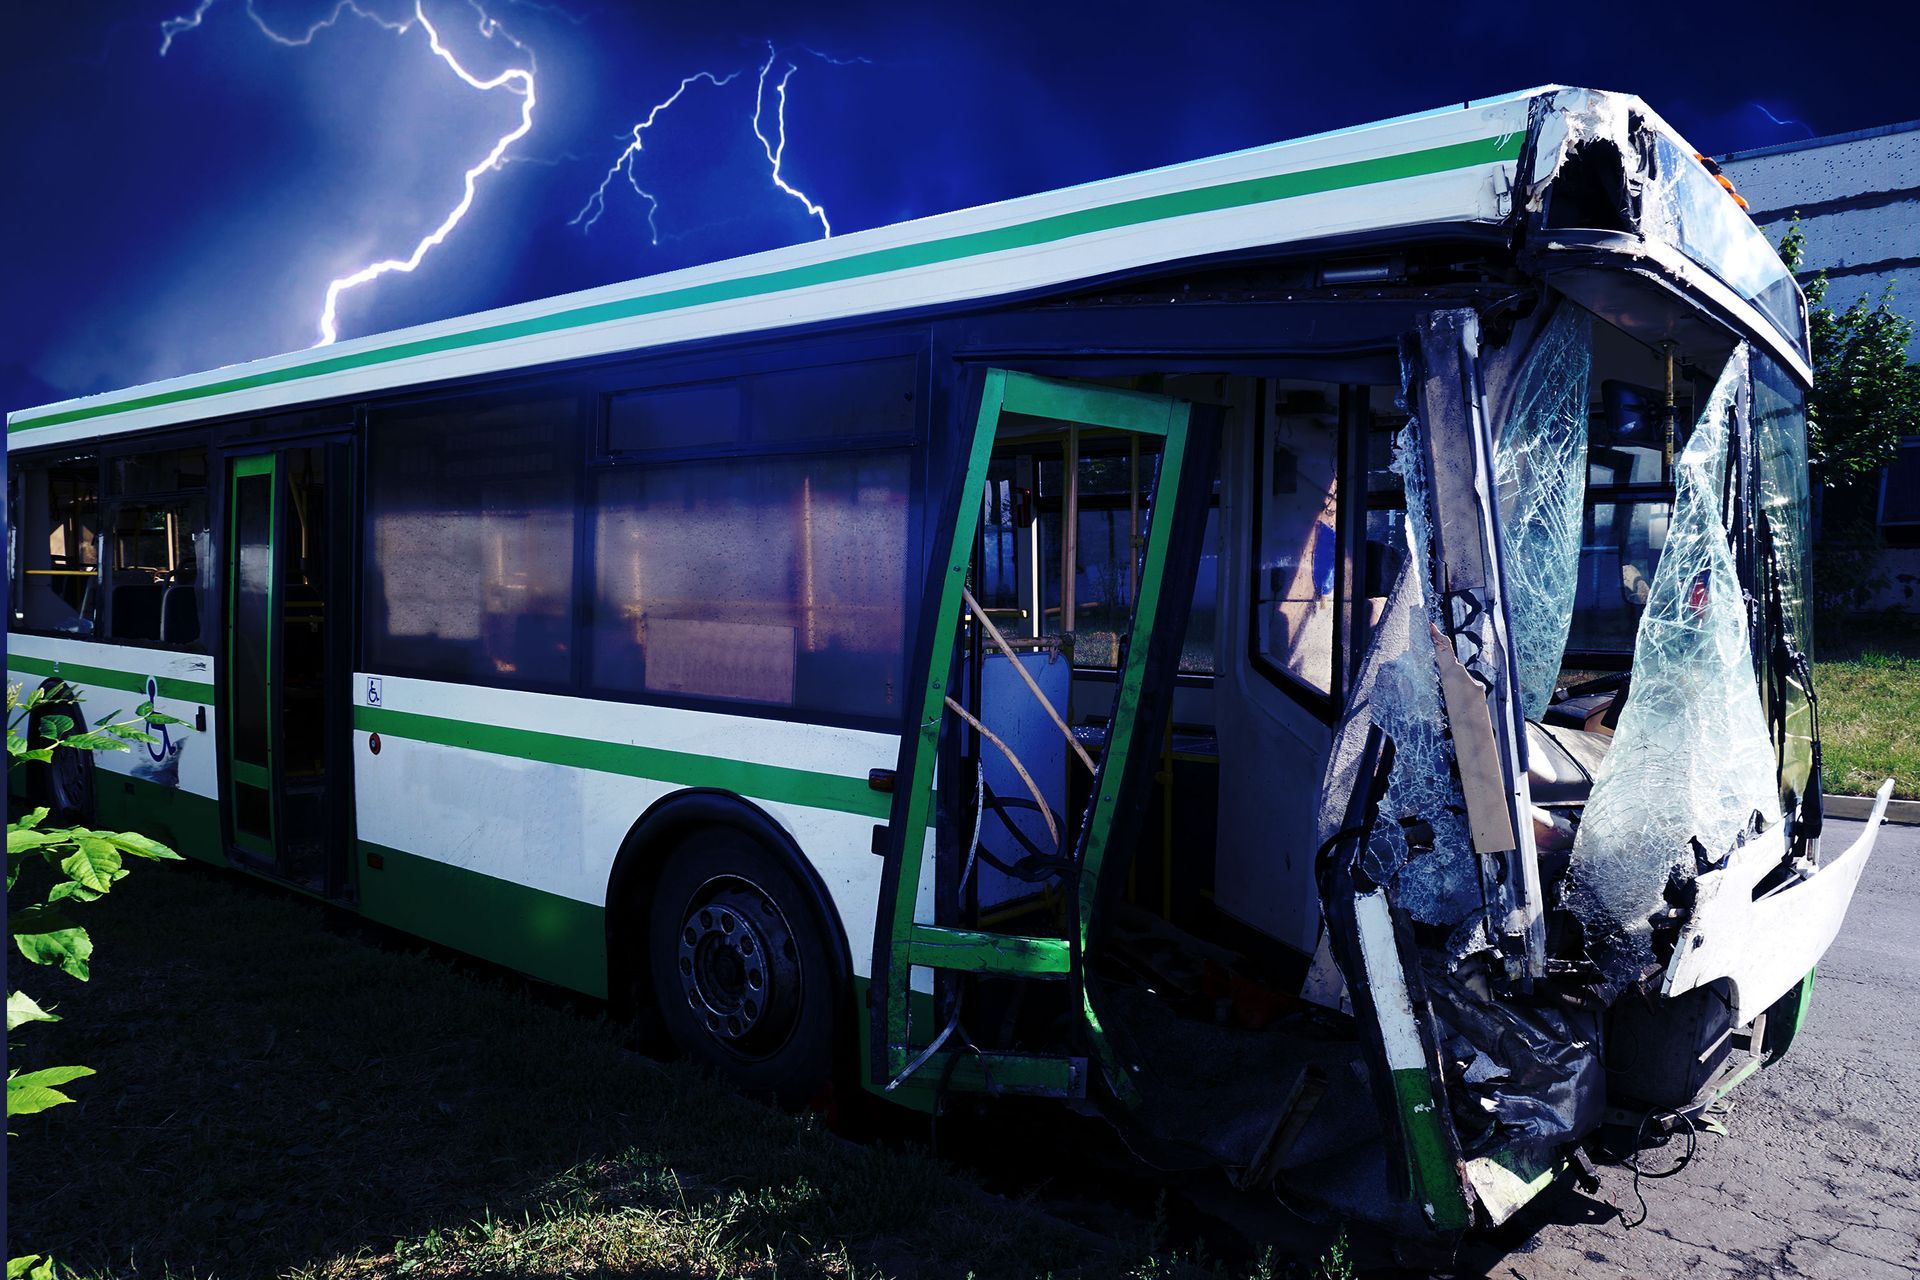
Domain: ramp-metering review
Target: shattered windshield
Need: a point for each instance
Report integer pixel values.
(1690, 770)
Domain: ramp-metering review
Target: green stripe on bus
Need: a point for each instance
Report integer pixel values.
(1026, 235)
(1436, 1183)
(761, 781)
(107, 678)
(554, 938)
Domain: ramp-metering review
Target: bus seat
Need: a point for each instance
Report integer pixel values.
(1562, 762)
(179, 614)
(136, 610)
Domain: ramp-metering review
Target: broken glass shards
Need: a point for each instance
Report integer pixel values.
(1420, 845)
(1691, 759)
(1540, 471)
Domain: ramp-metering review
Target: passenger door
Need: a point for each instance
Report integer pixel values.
(906, 1053)
(286, 799)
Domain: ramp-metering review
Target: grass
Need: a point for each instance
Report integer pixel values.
(278, 1095)
(1868, 678)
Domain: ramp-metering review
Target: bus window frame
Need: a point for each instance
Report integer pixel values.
(594, 384)
(106, 451)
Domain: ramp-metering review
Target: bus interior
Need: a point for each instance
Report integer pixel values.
(1211, 972)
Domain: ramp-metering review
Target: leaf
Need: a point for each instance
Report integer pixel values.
(37, 919)
(33, 819)
(22, 1009)
(34, 1092)
(92, 865)
(147, 712)
(93, 742)
(128, 733)
(68, 889)
(54, 726)
(45, 936)
(19, 839)
(138, 845)
(32, 1267)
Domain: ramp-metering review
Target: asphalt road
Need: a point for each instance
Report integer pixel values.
(1820, 1175)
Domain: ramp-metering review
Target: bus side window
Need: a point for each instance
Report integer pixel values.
(778, 578)
(1296, 539)
(470, 518)
(158, 535)
(779, 581)
(56, 559)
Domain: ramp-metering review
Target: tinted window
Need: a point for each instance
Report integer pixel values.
(778, 581)
(163, 472)
(56, 547)
(1296, 545)
(817, 404)
(159, 546)
(703, 415)
(470, 512)
(834, 401)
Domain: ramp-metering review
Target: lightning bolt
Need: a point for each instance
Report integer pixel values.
(1777, 120)
(776, 151)
(775, 146)
(623, 163)
(515, 80)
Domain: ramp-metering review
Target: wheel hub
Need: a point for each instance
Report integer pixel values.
(738, 966)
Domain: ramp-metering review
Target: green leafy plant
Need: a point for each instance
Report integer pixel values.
(1866, 394)
(81, 864)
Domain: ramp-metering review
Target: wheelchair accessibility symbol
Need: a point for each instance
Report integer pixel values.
(160, 746)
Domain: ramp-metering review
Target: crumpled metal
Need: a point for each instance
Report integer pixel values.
(1519, 1077)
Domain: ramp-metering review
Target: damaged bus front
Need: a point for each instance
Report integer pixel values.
(1513, 826)
(1573, 872)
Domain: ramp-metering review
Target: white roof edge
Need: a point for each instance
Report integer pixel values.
(1375, 140)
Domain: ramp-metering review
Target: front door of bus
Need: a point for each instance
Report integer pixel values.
(905, 1052)
(287, 802)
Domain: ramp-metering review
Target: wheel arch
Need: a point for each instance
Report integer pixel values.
(644, 851)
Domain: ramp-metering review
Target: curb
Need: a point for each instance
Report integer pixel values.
(1904, 813)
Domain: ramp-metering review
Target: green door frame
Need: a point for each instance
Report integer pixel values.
(240, 772)
(901, 943)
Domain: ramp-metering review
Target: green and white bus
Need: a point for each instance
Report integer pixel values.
(1304, 652)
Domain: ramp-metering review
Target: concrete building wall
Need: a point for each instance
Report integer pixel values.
(1858, 199)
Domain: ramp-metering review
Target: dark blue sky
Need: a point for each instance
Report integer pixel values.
(164, 215)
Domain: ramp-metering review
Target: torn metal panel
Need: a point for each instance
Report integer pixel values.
(1435, 876)
(1524, 1079)
(1540, 472)
(1691, 765)
(1765, 946)
(1466, 576)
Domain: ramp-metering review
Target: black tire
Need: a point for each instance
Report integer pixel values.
(65, 783)
(742, 966)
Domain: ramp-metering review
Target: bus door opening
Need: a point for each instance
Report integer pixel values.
(287, 803)
(1012, 1008)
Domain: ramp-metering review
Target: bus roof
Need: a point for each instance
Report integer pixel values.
(1453, 166)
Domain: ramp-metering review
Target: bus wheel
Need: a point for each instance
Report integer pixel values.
(65, 783)
(741, 967)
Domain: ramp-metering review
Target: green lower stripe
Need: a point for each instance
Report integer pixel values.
(184, 821)
(107, 678)
(553, 938)
(1436, 1184)
(1048, 230)
(761, 781)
